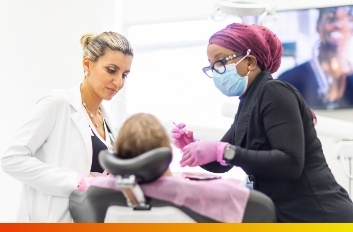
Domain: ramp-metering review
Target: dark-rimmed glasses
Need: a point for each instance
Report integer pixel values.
(220, 65)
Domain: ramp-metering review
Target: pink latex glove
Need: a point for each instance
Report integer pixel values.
(85, 181)
(203, 152)
(314, 117)
(181, 136)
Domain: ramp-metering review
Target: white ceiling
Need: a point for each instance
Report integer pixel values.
(157, 11)
(153, 11)
(304, 4)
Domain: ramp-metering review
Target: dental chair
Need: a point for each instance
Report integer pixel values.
(129, 204)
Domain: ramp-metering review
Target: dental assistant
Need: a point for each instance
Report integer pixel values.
(63, 134)
(272, 138)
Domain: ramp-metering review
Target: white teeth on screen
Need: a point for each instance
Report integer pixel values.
(336, 35)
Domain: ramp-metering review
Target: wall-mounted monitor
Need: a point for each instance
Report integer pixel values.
(318, 54)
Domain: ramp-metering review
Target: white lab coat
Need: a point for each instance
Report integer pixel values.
(48, 153)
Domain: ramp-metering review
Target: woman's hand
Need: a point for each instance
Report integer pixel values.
(203, 152)
(182, 136)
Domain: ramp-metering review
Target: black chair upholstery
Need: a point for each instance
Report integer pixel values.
(92, 205)
(259, 208)
(146, 167)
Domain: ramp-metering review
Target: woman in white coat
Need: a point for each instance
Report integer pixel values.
(59, 142)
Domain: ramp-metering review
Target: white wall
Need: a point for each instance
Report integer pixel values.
(39, 50)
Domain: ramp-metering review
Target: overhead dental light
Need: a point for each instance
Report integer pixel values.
(269, 7)
(258, 8)
(245, 8)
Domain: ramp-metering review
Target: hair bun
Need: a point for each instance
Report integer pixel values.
(86, 39)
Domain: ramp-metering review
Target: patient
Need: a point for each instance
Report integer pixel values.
(222, 200)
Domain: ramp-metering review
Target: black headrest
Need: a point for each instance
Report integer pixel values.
(147, 167)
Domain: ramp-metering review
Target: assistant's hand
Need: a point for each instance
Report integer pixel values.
(94, 177)
(84, 181)
(182, 136)
(202, 152)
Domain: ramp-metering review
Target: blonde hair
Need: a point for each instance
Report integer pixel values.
(140, 133)
(94, 46)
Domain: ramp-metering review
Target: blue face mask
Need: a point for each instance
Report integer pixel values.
(230, 83)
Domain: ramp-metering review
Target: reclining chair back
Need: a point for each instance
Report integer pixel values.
(98, 204)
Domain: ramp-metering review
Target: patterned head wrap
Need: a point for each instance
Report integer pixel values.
(264, 44)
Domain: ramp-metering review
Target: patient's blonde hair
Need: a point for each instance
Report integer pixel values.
(140, 133)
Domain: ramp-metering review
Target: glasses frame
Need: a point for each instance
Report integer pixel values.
(223, 61)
